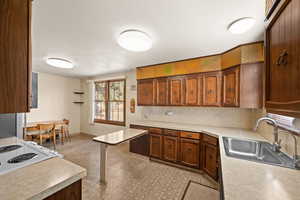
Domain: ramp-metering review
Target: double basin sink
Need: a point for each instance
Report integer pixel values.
(257, 151)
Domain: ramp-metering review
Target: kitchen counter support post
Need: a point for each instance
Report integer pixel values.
(103, 155)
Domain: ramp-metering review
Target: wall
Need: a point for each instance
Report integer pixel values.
(287, 141)
(55, 97)
(239, 118)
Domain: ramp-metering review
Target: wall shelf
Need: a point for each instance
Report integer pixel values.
(78, 102)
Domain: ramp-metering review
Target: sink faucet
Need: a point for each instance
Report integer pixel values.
(276, 144)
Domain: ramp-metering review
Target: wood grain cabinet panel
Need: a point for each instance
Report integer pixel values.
(15, 56)
(146, 92)
(73, 191)
(156, 146)
(212, 89)
(190, 152)
(231, 87)
(162, 92)
(140, 145)
(170, 148)
(193, 90)
(176, 91)
(210, 160)
(282, 61)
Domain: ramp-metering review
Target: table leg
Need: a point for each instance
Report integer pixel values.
(103, 148)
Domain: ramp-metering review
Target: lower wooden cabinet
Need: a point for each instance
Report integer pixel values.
(210, 160)
(170, 148)
(155, 145)
(190, 152)
(190, 149)
(73, 191)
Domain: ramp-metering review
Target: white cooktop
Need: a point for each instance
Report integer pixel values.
(9, 155)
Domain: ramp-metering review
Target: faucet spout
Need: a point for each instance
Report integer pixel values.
(276, 144)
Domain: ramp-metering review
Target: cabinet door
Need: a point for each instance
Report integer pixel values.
(140, 145)
(282, 61)
(176, 91)
(162, 92)
(146, 92)
(212, 89)
(210, 156)
(189, 152)
(15, 56)
(155, 146)
(170, 148)
(193, 90)
(231, 87)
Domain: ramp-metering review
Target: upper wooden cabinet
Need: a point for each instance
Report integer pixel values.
(146, 90)
(231, 85)
(15, 56)
(270, 7)
(212, 89)
(176, 91)
(282, 60)
(162, 91)
(194, 90)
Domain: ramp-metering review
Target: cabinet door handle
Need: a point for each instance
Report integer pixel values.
(281, 60)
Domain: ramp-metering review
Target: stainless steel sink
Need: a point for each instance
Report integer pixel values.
(257, 151)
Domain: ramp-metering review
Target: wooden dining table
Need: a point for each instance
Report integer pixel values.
(32, 129)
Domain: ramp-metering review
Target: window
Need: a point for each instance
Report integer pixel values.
(110, 102)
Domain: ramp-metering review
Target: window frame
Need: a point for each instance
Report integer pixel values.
(106, 101)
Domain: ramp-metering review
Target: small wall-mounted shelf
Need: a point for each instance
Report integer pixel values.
(78, 92)
(78, 102)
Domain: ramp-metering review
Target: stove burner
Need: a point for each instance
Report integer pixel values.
(22, 158)
(9, 148)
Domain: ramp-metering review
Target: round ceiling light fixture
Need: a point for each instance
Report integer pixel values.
(241, 25)
(60, 63)
(135, 40)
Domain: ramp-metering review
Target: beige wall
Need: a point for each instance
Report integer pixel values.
(222, 117)
(55, 97)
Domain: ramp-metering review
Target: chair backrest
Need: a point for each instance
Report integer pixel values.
(46, 127)
(67, 122)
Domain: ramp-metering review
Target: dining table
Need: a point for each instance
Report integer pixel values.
(31, 128)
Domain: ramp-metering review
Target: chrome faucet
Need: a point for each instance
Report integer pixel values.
(276, 144)
(296, 157)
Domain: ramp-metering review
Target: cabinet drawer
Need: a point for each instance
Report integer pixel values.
(190, 135)
(210, 140)
(171, 132)
(155, 130)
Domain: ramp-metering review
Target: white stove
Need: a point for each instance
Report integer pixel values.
(21, 154)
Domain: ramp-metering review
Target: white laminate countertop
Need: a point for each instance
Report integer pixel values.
(120, 136)
(244, 180)
(40, 180)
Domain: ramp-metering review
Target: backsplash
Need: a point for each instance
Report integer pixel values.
(219, 117)
(8, 126)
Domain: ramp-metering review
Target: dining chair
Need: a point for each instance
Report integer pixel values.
(46, 131)
(66, 129)
(29, 132)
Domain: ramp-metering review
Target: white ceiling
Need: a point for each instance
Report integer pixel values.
(85, 31)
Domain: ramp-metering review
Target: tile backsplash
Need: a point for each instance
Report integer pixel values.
(219, 117)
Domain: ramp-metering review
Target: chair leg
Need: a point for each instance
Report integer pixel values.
(62, 135)
(41, 140)
(69, 136)
(54, 140)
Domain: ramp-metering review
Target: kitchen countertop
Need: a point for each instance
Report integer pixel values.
(244, 180)
(39, 180)
(118, 137)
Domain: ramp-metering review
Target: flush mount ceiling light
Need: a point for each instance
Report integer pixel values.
(241, 25)
(135, 40)
(60, 63)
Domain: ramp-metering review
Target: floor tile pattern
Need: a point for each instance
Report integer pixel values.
(130, 176)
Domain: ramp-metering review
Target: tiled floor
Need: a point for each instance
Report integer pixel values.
(130, 176)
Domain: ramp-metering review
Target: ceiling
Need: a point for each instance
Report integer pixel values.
(86, 31)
